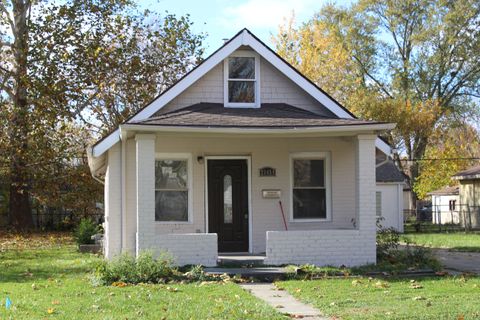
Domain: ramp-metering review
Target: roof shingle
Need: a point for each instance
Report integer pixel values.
(267, 116)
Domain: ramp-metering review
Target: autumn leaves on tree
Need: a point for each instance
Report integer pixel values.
(411, 62)
(70, 72)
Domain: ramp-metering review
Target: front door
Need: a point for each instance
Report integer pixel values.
(228, 204)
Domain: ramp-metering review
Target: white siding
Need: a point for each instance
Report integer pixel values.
(392, 205)
(272, 152)
(441, 212)
(113, 204)
(274, 88)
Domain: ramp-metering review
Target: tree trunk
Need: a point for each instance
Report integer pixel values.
(20, 209)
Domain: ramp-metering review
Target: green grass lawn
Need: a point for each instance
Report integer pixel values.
(456, 240)
(432, 298)
(54, 283)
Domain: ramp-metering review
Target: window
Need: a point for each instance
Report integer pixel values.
(227, 199)
(172, 198)
(451, 205)
(241, 80)
(311, 187)
(378, 203)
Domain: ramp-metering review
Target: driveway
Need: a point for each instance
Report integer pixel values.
(459, 261)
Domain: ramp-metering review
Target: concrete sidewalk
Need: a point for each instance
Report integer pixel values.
(459, 261)
(283, 301)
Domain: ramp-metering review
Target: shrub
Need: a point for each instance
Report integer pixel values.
(145, 269)
(388, 240)
(84, 231)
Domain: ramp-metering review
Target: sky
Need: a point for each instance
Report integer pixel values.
(222, 19)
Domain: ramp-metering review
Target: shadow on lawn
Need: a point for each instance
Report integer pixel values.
(42, 264)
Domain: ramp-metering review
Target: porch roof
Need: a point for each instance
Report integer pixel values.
(268, 116)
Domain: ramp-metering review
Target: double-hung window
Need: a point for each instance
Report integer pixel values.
(242, 80)
(311, 197)
(172, 188)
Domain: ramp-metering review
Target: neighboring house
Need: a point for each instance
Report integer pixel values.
(445, 205)
(239, 150)
(469, 197)
(389, 192)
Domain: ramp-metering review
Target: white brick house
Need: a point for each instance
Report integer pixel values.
(243, 154)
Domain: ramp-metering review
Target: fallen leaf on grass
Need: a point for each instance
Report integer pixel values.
(298, 290)
(380, 284)
(461, 317)
(55, 302)
(416, 286)
(356, 282)
(119, 284)
(50, 310)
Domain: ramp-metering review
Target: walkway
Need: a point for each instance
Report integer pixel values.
(283, 301)
(459, 261)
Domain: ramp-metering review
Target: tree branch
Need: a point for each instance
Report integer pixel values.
(373, 78)
(4, 10)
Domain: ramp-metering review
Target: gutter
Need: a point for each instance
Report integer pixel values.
(246, 131)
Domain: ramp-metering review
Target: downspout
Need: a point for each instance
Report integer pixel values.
(91, 165)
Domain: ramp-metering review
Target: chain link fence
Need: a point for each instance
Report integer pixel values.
(445, 217)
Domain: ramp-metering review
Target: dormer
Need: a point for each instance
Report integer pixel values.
(242, 80)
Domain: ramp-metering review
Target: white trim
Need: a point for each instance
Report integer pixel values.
(326, 156)
(249, 193)
(188, 158)
(383, 146)
(106, 143)
(242, 38)
(355, 129)
(256, 80)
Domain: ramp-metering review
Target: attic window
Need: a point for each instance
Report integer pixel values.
(241, 80)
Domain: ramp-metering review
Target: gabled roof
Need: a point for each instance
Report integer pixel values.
(242, 38)
(447, 191)
(469, 174)
(389, 172)
(269, 115)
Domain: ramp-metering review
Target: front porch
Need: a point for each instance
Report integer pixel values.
(329, 224)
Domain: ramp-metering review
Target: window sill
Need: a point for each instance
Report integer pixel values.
(310, 220)
(242, 105)
(173, 222)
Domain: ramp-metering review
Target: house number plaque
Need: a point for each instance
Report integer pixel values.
(268, 172)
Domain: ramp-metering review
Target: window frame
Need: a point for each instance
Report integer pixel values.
(226, 79)
(326, 157)
(180, 157)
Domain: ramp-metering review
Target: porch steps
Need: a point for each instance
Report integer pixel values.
(240, 261)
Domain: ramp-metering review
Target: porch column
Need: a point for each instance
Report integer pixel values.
(365, 183)
(113, 203)
(145, 197)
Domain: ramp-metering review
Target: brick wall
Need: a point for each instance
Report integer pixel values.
(320, 247)
(187, 248)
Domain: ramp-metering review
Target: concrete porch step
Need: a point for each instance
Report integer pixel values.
(240, 260)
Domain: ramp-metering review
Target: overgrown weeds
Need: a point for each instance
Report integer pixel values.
(126, 269)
